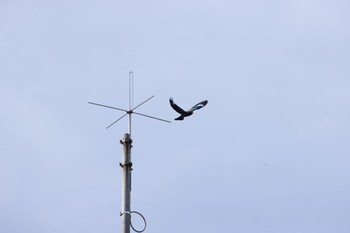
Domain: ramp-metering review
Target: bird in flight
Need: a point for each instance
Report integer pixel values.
(187, 113)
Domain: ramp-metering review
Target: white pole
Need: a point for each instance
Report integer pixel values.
(129, 124)
(126, 165)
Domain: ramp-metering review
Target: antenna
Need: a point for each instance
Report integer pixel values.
(131, 108)
(126, 163)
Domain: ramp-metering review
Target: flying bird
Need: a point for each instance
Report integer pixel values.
(187, 113)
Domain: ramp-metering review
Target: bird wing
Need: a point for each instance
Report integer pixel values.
(198, 106)
(175, 107)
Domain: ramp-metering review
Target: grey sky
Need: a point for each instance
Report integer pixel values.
(268, 154)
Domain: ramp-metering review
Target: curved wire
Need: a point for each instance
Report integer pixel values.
(144, 228)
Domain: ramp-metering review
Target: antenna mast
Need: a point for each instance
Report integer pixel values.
(126, 166)
(126, 163)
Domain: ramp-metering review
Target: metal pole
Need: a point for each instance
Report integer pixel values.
(129, 125)
(126, 165)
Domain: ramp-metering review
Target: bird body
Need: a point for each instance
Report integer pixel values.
(187, 113)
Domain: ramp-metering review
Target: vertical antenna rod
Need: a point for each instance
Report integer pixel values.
(131, 90)
(131, 98)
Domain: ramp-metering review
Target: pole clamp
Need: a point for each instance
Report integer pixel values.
(129, 164)
(126, 141)
(125, 212)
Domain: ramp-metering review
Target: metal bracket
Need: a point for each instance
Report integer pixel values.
(125, 165)
(126, 142)
(125, 212)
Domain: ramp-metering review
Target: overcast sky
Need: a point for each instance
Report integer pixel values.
(270, 153)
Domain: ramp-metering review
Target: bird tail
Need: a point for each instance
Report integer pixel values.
(180, 118)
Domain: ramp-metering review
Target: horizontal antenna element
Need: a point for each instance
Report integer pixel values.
(131, 108)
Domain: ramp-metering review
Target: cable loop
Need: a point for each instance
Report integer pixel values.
(144, 220)
(135, 212)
